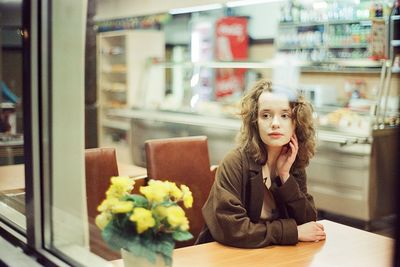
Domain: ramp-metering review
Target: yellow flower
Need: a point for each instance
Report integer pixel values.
(156, 191)
(107, 204)
(120, 185)
(185, 224)
(176, 217)
(161, 211)
(143, 219)
(122, 207)
(103, 219)
(187, 196)
(173, 190)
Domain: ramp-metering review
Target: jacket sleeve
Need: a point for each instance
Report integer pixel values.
(299, 204)
(226, 216)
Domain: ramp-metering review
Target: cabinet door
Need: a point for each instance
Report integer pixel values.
(338, 178)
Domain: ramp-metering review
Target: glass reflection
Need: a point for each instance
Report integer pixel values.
(12, 180)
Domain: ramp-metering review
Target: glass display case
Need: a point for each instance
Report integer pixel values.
(185, 94)
(327, 41)
(345, 169)
(336, 35)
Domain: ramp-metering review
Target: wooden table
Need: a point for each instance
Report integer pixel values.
(344, 246)
(12, 177)
(130, 170)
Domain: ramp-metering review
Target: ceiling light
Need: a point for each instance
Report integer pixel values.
(192, 9)
(249, 2)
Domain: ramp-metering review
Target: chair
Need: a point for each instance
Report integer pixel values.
(100, 165)
(183, 160)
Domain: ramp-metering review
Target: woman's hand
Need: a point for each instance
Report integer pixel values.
(311, 231)
(286, 158)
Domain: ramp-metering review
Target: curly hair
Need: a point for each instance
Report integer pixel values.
(249, 138)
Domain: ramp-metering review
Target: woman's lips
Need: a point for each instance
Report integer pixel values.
(275, 135)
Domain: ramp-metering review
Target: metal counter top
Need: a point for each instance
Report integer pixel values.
(179, 117)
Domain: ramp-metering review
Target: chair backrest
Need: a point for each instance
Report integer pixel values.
(183, 160)
(100, 165)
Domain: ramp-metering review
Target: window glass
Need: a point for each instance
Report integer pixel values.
(12, 179)
(65, 106)
(67, 209)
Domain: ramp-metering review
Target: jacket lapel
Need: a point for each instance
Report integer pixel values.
(256, 191)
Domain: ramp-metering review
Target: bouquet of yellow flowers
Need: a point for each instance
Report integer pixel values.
(148, 224)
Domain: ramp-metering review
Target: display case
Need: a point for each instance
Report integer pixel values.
(113, 84)
(341, 43)
(346, 169)
(346, 176)
(336, 35)
(121, 62)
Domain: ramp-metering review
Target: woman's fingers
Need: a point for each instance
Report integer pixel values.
(293, 150)
(295, 141)
(284, 151)
(320, 235)
(320, 226)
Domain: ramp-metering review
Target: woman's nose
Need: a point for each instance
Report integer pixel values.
(275, 122)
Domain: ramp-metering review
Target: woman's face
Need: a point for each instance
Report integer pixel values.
(275, 124)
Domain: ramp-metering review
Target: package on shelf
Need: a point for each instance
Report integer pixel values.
(118, 68)
(345, 119)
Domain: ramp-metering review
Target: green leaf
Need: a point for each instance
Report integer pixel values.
(139, 200)
(164, 244)
(116, 238)
(146, 245)
(182, 235)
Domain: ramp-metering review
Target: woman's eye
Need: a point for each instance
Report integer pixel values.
(266, 115)
(286, 116)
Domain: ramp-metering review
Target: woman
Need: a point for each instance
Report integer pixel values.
(259, 196)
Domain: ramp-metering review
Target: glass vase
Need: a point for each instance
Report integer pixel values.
(131, 260)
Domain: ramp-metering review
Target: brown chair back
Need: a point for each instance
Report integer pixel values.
(183, 160)
(100, 165)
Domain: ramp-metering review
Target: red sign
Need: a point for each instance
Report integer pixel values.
(232, 42)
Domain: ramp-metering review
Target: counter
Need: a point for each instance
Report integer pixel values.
(145, 125)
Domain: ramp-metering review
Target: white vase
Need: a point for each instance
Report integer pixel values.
(131, 260)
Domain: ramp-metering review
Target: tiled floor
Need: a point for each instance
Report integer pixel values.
(384, 226)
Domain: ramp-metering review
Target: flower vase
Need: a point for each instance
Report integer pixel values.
(131, 260)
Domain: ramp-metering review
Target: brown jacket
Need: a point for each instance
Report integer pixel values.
(232, 210)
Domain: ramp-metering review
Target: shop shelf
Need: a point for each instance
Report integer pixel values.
(348, 46)
(121, 125)
(296, 25)
(294, 47)
(364, 22)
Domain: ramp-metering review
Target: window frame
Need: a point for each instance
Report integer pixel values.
(37, 116)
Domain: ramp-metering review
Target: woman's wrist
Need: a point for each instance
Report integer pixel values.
(284, 177)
